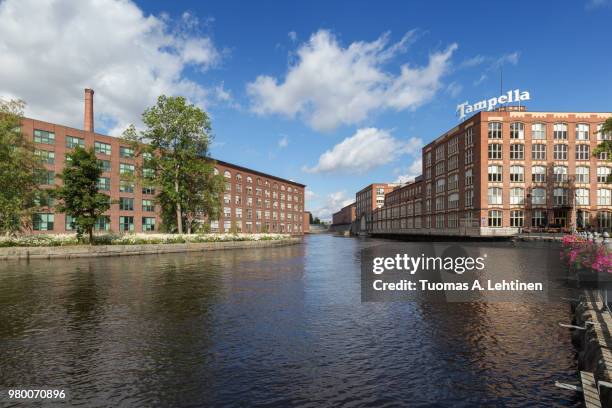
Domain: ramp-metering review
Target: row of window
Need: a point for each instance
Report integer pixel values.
(538, 218)
(228, 175)
(259, 214)
(249, 227)
(538, 152)
(560, 196)
(538, 174)
(538, 131)
(46, 222)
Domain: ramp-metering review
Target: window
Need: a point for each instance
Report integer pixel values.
(148, 190)
(495, 218)
(495, 196)
(582, 174)
(603, 174)
(538, 174)
(604, 197)
(126, 169)
(102, 148)
(453, 200)
(104, 183)
(583, 152)
(72, 142)
(601, 135)
(538, 218)
(453, 145)
(126, 224)
(469, 136)
(440, 184)
(453, 163)
(126, 204)
(102, 223)
(227, 212)
(43, 199)
(126, 152)
(227, 174)
(42, 136)
(538, 151)
(538, 196)
(495, 173)
(582, 196)
(239, 212)
(517, 218)
(495, 151)
(45, 156)
(560, 131)
(42, 222)
(148, 224)
(46, 177)
(517, 131)
(106, 165)
(604, 220)
(517, 196)
(439, 168)
(603, 155)
(560, 196)
(517, 174)
(469, 156)
(440, 153)
(582, 131)
(517, 151)
(538, 131)
(560, 152)
(453, 181)
(469, 198)
(126, 186)
(560, 173)
(495, 130)
(469, 177)
(148, 206)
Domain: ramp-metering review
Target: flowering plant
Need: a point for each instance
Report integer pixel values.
(582, 254)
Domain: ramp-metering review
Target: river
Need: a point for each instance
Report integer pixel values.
(272, 327)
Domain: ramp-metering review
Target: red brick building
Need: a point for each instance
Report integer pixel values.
(502, 171)
(367, 200)
(252, 202)
(345, 216)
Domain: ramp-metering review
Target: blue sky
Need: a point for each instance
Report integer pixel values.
(307, 90)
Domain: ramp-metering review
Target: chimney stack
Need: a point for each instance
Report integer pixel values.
(88, 124)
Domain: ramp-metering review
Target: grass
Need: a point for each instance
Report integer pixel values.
(132, 239)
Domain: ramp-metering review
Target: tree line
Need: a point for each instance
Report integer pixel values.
(174, 157)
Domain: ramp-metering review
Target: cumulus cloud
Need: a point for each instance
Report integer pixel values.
(366, 149)
(490, 64)
(283, 142)
(329, 85)
(332, 203)
(414, 170)
(129, 58)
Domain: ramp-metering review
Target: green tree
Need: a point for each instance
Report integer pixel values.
(606, 145)
(316, 221)
(175, 147)
(79, 196)
(310, 219)
(19, 170)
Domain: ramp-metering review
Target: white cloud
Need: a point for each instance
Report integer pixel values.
(332, 203)
(309, 194)
(454, 89)
(129, 58)
(329, 85)
(493, 64)
(292, 36)
(594, 4)
(283, 142)
(414, 170)
(366, 149)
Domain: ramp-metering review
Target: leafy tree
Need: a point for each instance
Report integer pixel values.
(316, 221)
(175, 149)
(606, 145)
(79, 196)
(19, 169)
(310, 219)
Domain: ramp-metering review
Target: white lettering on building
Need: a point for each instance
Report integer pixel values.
(515, 95)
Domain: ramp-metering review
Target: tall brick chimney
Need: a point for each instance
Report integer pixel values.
(88, 124)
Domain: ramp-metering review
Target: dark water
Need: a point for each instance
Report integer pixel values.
(270, 327)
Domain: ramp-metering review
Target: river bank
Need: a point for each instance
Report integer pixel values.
(86, 251)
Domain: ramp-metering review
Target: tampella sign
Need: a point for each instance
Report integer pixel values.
(515, 95)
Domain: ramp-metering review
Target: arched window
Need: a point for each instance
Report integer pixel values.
(495, 195)
(538, 174)
(538, 131)
(582, 196)
(582, 131)
(238, 177)
(538, 196)
(249, 180)
(495, 130)
(582, 174)
(560, 173)
(604, 197)
(517, 174)
(517, 130)
(227, 174)
(216, 171)
(517, 195)
(560, 131)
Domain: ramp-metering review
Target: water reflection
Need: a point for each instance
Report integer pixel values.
(278, 327)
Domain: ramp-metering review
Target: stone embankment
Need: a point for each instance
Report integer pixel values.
(593, 340)
(84, 251)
